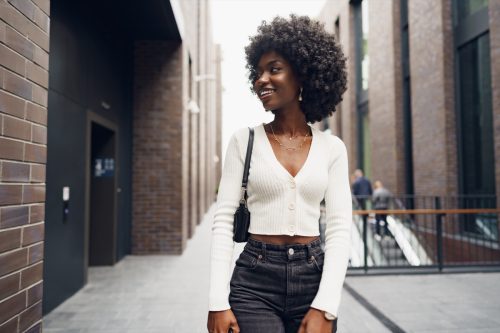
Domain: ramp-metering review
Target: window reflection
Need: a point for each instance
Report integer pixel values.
(466, 8)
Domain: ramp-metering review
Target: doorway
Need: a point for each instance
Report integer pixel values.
(102, 201)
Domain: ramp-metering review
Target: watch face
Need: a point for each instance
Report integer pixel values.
(329, 316)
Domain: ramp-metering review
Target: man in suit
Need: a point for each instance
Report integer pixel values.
(361, 188)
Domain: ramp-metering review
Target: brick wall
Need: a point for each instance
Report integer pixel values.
(432, 81)
(434, 135)
(329, 14)
(433, 115)
(385, 98)
(166, 213)
(24, 47)
(159, 217)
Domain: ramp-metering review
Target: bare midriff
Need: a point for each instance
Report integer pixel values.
(283, 239)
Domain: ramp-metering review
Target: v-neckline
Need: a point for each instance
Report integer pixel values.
(278, 163)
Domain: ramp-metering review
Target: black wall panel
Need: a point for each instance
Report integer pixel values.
(88, 65)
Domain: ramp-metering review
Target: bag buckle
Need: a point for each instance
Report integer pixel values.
(243, 200)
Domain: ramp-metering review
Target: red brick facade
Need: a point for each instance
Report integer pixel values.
(432, 98)
(159, 194)
(174, 170)
(342, 12)
(385, 95)
(24, 54)
(432, 75)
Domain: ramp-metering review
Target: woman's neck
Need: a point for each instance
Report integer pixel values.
(291, 123)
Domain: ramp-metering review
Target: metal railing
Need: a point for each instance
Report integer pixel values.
(426, 233)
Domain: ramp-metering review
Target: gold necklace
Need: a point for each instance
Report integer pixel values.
(286, 147)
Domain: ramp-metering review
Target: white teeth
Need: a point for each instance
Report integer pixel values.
(265, 92)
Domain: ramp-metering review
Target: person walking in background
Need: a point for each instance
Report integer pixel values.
(381, 200)
(361, 188)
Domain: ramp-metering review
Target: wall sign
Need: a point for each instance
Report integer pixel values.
(104, 167)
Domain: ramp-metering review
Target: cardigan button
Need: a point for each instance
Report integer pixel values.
(291, 206)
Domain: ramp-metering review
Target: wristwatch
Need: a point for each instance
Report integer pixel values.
(329, 316)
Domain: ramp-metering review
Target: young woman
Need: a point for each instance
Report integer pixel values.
(283, 281)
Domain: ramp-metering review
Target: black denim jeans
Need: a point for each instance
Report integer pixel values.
(273, 286)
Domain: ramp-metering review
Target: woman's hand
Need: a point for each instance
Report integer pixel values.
(222, 321)
(315, 322)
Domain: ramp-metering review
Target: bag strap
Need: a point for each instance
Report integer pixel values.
(248, 157)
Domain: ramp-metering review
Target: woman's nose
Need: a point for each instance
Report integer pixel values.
(263, 78)
(261, 82)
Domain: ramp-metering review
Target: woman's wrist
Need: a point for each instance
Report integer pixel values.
(327, 315)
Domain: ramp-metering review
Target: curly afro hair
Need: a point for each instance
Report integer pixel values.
(316, 59)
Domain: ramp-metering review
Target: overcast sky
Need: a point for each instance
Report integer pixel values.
(233, 22)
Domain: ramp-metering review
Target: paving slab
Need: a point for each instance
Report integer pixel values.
(169, 294)
(435, 302)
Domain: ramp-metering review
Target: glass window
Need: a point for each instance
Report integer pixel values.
(404, 13)
(361, 24)
(476, 116)
(466, 8)
(365, 60)
(367, 154)
(407, 123)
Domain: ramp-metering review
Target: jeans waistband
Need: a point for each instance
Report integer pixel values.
(287, 251)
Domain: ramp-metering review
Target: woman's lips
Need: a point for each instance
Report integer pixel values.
(266, 95)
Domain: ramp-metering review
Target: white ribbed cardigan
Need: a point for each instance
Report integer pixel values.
(284, 205)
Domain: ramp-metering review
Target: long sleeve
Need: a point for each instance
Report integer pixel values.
(222, 229)
(338, 232)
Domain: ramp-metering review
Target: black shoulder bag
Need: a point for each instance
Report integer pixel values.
(242, 215)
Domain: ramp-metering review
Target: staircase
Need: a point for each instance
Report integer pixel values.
(392, 252)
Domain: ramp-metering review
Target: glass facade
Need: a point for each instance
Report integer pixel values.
(474, 100)
(466, 8)
(365, 130)
(476, 164)
(361, 24)
(407, 123)
(365, 59)
(476, 117)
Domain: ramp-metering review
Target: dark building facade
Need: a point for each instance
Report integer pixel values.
(109, 143)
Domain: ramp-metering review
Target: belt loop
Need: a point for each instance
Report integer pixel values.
(309, 251)
(263, 252)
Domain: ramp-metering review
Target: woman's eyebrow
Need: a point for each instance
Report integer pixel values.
(271, 62)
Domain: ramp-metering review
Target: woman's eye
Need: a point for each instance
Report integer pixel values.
(274, 69)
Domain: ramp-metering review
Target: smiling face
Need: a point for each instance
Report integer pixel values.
(276, 85)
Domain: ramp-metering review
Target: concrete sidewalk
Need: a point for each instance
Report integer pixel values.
(168, 294)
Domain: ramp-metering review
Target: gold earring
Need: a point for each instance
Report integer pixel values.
(300, 95)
